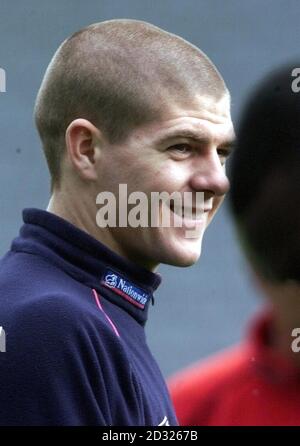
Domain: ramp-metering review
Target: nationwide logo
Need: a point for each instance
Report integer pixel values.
(126, 289)
(111, 280)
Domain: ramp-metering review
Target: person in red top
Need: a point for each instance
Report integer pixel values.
(257, 382)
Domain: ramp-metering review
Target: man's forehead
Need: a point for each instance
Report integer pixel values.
(204, 117)
(197, 129)
(216, 107)
(207, 119)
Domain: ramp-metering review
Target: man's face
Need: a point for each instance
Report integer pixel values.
(183, 152)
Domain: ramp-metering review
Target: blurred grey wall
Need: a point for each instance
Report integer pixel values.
(201, 309)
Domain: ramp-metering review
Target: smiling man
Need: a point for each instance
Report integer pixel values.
(122, 102)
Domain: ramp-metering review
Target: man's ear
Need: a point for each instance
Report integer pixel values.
(83, 145)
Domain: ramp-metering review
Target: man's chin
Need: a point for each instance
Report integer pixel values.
(183, 258)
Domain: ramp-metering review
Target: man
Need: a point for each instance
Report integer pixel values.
(258, 381)
(122, 103)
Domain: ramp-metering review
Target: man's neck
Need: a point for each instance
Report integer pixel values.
(80, 217)
(81, 212)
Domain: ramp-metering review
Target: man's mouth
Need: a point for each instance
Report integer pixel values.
(188, 213)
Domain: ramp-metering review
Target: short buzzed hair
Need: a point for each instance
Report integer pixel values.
(118, 74)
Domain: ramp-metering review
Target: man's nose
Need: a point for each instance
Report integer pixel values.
(209, 175)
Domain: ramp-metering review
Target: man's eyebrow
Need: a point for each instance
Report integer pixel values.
(196, 137)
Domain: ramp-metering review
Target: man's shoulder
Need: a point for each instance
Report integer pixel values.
(34, 290)
(57, 307)
(40, 301)
(57, 325)
(65, 311)
(28, 268)
(63, 354)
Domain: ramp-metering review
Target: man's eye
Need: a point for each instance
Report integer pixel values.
(223, 154)
(181, 149)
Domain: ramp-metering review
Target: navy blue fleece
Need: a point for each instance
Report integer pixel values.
(74, 314)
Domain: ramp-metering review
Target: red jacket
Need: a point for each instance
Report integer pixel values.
(250, 384)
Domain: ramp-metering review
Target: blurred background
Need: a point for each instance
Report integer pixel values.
(204, 308)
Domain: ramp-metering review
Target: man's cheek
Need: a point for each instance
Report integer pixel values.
(216, 204)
